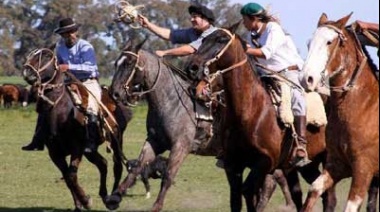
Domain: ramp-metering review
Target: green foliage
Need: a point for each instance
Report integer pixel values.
(29, 24)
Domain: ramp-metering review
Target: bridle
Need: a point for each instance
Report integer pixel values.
(137, 68)
(40, 68)
(325, 78)
(212, 77)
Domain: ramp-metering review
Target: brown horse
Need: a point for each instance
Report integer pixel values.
(65, 126)
(336, 61)
(254, 138)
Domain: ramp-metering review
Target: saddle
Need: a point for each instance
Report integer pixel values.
(280, 93)
(80, 96)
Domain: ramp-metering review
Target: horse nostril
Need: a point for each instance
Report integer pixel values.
(115, 95)
(194, 68)
(310, 80)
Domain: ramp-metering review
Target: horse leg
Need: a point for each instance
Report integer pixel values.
(372, 194)
(117, 146)
(144, 179)
(235, 181)
(147, 155)
(62, 165)
(101, 163)
(331, 175)
(361, 180)
(177, 155)
(72, 181)
(267, 192)
(290, 187)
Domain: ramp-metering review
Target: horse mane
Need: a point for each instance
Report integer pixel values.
(370, 61)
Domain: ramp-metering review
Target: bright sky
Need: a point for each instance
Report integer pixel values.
(300, 17)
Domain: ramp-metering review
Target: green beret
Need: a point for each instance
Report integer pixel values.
(251, 9)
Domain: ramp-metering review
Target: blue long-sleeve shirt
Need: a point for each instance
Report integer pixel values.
(80, 58)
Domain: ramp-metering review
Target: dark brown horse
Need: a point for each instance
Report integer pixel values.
(336, 61)
(65, 124)
(254, 136)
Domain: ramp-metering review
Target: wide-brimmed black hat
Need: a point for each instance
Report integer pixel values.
(202, 11)
(66, 25)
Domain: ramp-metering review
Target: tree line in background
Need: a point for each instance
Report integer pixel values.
(29, 24)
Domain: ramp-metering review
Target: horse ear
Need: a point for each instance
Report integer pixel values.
(343, 21)
(322, 20)
(234, 26)
(52, 47)
(139, 46)
(127, 46)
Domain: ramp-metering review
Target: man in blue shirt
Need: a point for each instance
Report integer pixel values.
(202, 20)
(76, 56)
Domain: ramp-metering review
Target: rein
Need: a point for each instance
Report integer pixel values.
(213, 76)
(350, 82)
(42, 87)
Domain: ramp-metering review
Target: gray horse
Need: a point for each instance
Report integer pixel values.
(171, 122)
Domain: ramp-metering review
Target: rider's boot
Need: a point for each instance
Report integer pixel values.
(38, 141)
(300, 156)
(93, 136)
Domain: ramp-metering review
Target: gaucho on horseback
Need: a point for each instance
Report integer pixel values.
(75, 56)
(202, 20)
(275, 51)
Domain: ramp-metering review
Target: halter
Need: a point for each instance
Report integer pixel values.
(130, 78)
(326, 77)
(47, 85)
(213, 76)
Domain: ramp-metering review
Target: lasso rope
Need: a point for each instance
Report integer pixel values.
(127, 13)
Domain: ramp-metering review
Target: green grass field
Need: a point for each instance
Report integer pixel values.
(29, 182)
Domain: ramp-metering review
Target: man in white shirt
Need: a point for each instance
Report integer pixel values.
(276, 51)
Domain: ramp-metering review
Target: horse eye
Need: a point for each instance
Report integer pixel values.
(329, 43)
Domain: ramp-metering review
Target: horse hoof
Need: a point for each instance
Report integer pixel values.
(112, 202)
(89, 203)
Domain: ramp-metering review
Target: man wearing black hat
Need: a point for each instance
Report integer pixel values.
(77, 56)
(202, 20)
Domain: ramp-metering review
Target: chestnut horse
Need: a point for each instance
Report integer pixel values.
(255, 138)
(337, 61)
(67, 133)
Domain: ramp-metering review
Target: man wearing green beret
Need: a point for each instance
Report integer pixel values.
(275, 50)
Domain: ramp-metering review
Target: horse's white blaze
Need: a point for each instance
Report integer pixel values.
(354, 205)
(120, 61)
(318, 55)
(319, 184)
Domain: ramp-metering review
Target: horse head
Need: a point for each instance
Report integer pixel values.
(40, 67)
(219, 53)
(334, 54)
(129, 76)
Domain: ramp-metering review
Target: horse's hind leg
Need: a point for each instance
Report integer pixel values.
(267, 192)
(147, 154)
(277, 177)
(101, 163)
(177, 155)
(372, 195)
(62, 165)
